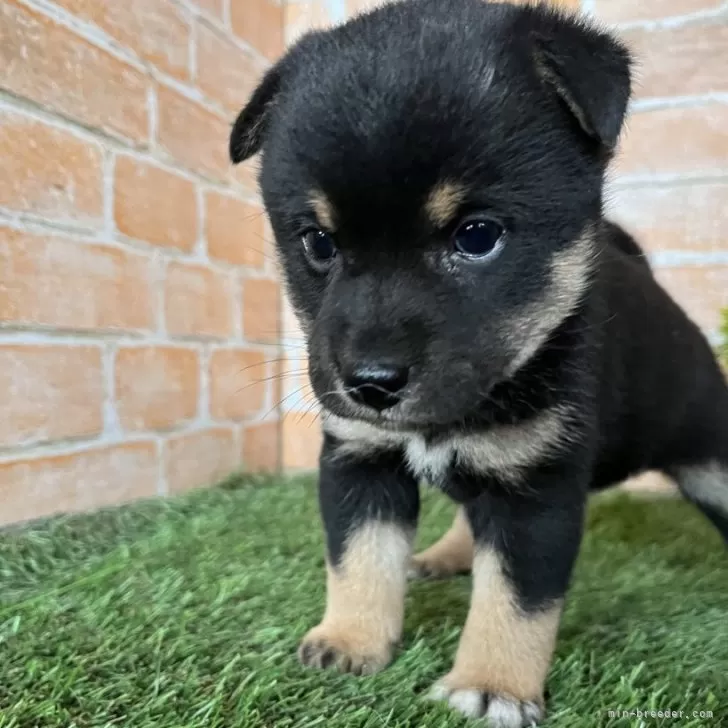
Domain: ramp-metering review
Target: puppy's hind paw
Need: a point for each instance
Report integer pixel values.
(501, 711)
(422, 567)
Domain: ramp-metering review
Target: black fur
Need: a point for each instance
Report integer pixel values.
(350, 494)
(522, 106)
(537, 536)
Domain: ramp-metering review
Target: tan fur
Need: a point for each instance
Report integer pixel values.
(503, 451)
(324, 211)
(502, 651)
(570, 272)
(452, 554)
(443, 203)
(364, 601)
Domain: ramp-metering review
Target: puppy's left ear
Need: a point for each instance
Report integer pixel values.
(250, 126)
(590, 70)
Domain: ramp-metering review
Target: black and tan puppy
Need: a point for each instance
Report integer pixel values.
(433, 171)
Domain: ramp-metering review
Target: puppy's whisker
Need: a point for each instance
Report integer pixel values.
(280, 402)
(281, 360)
(273, 378)
(307, 411)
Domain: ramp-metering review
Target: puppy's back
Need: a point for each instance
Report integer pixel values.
(624, 242)
(663, 395)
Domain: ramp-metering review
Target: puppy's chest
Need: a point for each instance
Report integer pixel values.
(431, 461)
(504, 452)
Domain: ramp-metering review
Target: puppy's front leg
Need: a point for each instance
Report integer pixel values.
(525, 546)
(369, 509)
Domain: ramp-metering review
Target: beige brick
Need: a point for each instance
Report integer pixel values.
(701, 291)
(259, 23)
(211, 7)
(52, 66)
(199, 459)
(47, 171)
(301, 17)
(239, 380)
(262, 447)
(235, 230)
(198, 301)
(40, 487)
(54, 281)
(156, 387)
(676, 141)
(49, 393)
(156, 30)
(194, 136)
(682, 217)
(261, 310)
(359, 6)
(154, 204)
(225, 72)
(245, 175)
(302, 439)
(626, 11)
(684, 61)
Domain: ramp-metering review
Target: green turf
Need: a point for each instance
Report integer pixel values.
(188, 612)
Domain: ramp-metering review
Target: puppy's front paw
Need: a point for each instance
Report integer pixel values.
(502, 711)
(325, 647)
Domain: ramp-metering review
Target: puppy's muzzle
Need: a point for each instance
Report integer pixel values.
(377, 385)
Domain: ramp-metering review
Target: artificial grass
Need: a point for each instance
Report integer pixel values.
(187, 613)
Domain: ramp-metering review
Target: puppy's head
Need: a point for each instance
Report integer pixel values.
(433, 171)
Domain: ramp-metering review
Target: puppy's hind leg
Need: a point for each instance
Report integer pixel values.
(702, 471)
(452, 554)
(706, 485)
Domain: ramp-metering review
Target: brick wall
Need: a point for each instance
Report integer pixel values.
(138, 295)
(670, 184)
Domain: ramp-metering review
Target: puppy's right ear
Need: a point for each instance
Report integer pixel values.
(250, 126)
(588, 68)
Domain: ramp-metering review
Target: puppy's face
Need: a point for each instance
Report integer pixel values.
(433, 171)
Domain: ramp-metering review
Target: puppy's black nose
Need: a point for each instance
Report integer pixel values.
(376, 385)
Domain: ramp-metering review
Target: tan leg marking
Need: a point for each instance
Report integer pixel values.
(364, 603)
(452, 554)
(504, 653)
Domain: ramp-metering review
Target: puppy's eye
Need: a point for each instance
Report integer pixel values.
(320, 249)
(478, 238)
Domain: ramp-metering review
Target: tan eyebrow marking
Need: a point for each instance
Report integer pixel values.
(443, 202)
(323, 209)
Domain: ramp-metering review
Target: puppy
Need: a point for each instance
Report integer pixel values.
(434, 172)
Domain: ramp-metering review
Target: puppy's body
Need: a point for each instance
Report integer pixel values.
(433, 171)
(663, 401)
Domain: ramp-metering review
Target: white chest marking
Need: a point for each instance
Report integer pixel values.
(504, 451)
